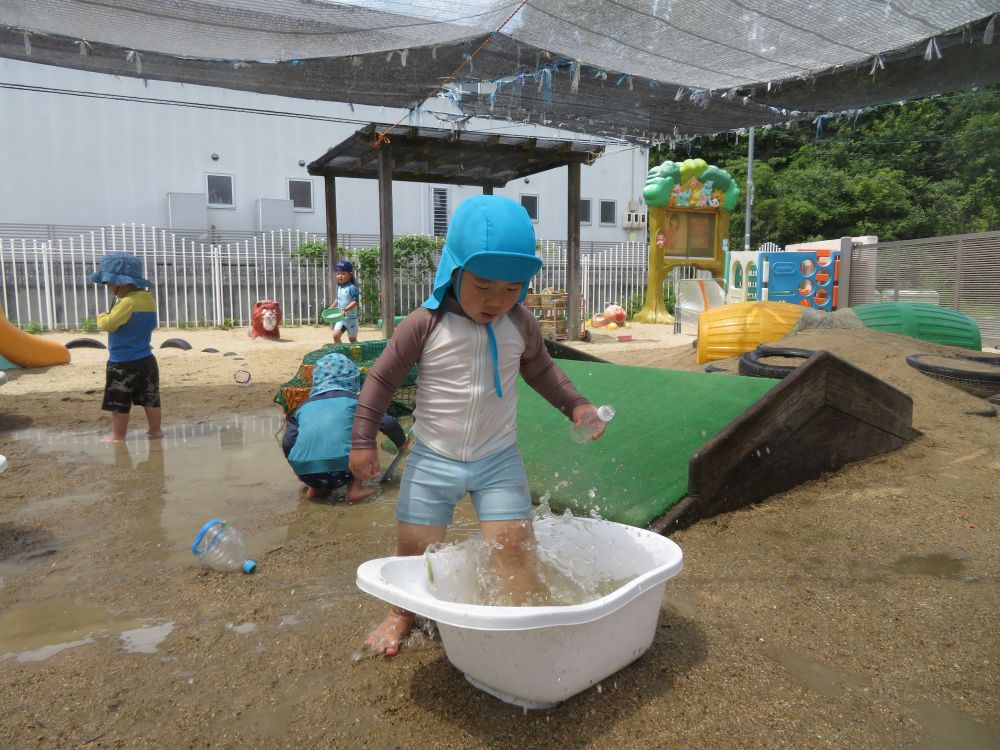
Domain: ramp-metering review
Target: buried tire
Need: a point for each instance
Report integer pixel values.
(979, 381)
(751, 365)
(85, 343)
(175, 344)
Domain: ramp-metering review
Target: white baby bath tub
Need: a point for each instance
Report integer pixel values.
(538, 656)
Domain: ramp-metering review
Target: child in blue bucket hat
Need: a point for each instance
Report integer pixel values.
(472, 340)
(317, 440)
(348, 299)
(133, 377)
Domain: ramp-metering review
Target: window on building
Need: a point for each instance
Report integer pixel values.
(530, 203)
(439, 211)
(609, 210)
(221, 191)
(585, 210)
(300, 193)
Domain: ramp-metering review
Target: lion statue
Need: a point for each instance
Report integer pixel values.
(265, 319)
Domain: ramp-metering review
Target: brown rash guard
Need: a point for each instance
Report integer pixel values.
(406, 348)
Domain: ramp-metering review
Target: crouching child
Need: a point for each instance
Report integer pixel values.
(317, 440)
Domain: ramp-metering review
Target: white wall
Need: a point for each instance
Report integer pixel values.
(95, 160)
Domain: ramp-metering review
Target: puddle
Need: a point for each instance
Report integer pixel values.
(948, 729)
(146, 639)
(824, 679)
(36, 632)
(232, 469)
(936, 565)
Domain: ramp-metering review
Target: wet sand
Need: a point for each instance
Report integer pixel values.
(857, 610)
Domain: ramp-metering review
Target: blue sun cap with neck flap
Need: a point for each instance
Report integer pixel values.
(492, 237)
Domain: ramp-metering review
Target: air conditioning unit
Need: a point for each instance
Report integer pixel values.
(634, 220)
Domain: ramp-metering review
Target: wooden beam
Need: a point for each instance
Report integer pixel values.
(330, 190)
(388, 303)
(573, 251)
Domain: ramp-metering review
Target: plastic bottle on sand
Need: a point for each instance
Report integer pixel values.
(221, 547)
(586, 430)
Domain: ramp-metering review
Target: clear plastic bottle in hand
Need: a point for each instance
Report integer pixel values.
(221, 547)
(594, 421)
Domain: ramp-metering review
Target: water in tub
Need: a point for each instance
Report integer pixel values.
(567, 568)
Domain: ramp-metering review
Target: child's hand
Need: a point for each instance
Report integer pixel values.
(364, 463)
(587, 414)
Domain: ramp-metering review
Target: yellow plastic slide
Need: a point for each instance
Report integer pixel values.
(26, 350)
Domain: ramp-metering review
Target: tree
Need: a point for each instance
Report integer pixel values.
(923, 168)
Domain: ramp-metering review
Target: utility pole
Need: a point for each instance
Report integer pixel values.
(746, 230)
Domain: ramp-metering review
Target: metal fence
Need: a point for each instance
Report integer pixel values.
(211, 278)
(961, 272)
(43, 274)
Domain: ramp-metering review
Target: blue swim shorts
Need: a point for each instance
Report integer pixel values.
(349, 324)
(433, 484)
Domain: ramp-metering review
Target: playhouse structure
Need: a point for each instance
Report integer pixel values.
(689, 204)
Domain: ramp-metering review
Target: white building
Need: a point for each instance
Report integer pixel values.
(92, 149)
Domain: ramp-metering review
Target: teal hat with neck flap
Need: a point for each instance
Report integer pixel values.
(492, 237)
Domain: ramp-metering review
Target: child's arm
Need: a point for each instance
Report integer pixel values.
(388, 373)
(119, 315)
(538, 369)
(355, 299)
(547, 378)
(291, 434)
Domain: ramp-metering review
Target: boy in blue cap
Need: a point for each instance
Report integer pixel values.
(472, 340)
(133, 376)
(348, 299)
(317, 438)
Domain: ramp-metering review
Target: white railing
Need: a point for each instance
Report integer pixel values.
(43, 282)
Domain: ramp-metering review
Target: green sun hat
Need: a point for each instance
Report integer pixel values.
(332, 315)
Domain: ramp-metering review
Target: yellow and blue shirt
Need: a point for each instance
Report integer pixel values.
(130, 326)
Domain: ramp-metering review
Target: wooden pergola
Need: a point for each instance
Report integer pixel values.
(443, 156)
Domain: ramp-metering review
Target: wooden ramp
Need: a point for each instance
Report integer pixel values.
(824, 415)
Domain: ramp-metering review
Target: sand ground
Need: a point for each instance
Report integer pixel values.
(858, 610)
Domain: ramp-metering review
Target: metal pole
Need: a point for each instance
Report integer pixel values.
(746, 230)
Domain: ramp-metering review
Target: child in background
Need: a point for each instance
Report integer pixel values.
(133, 376)
(348, 298)
(317, 438)
(472, 340)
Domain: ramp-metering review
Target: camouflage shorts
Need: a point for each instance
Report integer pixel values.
(128, 383)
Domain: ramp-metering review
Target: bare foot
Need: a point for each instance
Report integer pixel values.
(112, 438)
(157, 434)
(388, 635)
(316, 492)
(358, 492)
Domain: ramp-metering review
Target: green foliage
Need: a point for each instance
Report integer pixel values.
(314, 250)
(414, 255)
(33, 327)
(929, 167)
(89, 325)
(366, 266)
(636, 301)
(229, 323)
(183, 324)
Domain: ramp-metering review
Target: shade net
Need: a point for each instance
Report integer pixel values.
(646, 70)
